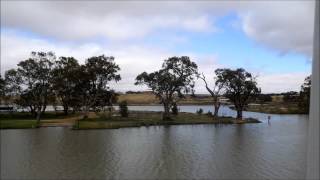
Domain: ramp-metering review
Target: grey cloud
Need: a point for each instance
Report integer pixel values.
(286, 26)
(74, 20)
(133, 60)
(283, 82)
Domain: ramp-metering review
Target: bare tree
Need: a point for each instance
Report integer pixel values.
(215, 92)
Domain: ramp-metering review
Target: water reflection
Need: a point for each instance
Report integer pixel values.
(250, 151)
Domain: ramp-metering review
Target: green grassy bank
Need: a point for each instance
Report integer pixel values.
(17, 124)
(108, 121)
(23, 120)
(138, 119)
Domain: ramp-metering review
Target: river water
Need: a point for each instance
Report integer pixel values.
(275, 150)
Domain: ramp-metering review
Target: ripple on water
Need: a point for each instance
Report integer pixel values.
(248, 151)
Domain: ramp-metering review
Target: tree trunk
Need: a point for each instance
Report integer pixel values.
(216, 110)
(166, 114)
(216, 105)
(44, 109)
(33, 112)
(85, 112)
(239, 114)
(42, 106)
(38, 115)
(65, 109)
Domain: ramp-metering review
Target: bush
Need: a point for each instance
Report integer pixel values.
(264, 98)
(104, 115)
(174, 109)
(123, 109)
(209, 113)
(290, 96)
(200, 111)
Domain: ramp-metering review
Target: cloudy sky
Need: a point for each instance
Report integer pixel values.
(271, 39)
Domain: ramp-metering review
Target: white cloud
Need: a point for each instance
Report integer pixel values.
(277, 83)
(131, 59)
(134, 60)
(284, 26)
(81, 20)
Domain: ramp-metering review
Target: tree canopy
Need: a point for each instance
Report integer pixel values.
(98, 71)
(304, 96)
(175, 78)
(2, 87)
(64, 80)
(240, 85)
(33, 80)
(41, 79)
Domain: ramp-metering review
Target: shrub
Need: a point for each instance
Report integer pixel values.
(209, 113)
(104, 115)
(123, 109)
(174, 109)
(200, 111)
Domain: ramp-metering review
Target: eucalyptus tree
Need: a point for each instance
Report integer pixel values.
(80, 97)
(96, 75)
(304, 96)
(13, 90)
(32, 80)
(239, 85)
(64, 79)
(2, 89)
(169, 83)
(106, 98)
(215, 92)
(2, 85)
(12, 87)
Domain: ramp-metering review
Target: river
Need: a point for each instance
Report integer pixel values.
(275, 150)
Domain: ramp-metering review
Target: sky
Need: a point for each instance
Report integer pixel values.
(271, 39)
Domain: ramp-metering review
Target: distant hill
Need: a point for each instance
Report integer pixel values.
(147, 98)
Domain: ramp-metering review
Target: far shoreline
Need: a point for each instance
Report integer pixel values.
(115, 121)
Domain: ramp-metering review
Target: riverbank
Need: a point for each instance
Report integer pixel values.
(18, 124)
(275, 108)
(138, 119)
(115, 121)
(23, 120)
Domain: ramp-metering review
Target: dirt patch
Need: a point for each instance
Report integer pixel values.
(59, 122)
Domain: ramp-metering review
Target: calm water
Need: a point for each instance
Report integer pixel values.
(275, 151)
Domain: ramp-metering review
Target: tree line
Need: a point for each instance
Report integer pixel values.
(301, 98)
(44, 79)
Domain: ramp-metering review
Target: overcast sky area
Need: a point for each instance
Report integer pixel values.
(271, 39)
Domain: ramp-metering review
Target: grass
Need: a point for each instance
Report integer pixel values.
(105, 121)
(138, 119)
(17, 124)
(28, 116)
(22, 120)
